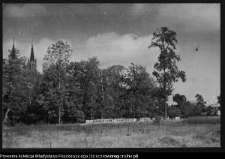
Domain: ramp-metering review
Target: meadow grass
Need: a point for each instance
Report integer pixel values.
(116, 135)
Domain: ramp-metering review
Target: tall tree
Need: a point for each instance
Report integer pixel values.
(85, 76)
(15, 90)
(75, 77)
(218, 98)
(189, 109)
(173, 111)
(138, 91)
(11, 72)
(48, 95)
(200, 103)
(58, 54)
(166, 70)
(34, 113)
(180, 100)
(91, 86)
(111, 91)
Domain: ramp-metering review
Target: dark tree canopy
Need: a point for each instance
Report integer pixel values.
(165, 40)
(200, 99)
(218, 98)
(179, 99)
(200, 103)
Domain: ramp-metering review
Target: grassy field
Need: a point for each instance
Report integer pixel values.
(192, 132)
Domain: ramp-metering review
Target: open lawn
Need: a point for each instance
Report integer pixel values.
(121, 135)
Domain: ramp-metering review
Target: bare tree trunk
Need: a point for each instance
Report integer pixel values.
(165, 106)
(102, 96)
(165, 94)
(29, 97)
(59, 104)
(6, 115)
(164, 82)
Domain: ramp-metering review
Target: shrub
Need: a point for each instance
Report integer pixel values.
(173, 112)
(190, 109)
(157, 120)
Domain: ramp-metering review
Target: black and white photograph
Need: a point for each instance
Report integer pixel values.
(111, 75)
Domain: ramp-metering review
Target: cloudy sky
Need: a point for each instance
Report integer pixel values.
(121, 34)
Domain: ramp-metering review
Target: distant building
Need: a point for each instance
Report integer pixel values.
(13, 53)
(32, 63)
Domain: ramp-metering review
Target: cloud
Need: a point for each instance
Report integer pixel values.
(26, 10)
(143, 9)
(112, 48)
(138, 8)
(101, 9)
(82, 9)
(40, 49)
(25, 27)
(23, 31)
(187, 19)
(192, 17)
(109, 9)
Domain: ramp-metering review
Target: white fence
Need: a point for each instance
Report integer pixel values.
(145, 119)
(119, 120)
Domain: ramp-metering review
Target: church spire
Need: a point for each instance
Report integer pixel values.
(32, 62)
(13, 44)
(32, 51)
(13, 52)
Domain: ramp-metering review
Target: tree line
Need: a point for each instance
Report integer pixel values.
(73, 91)
(69, 91)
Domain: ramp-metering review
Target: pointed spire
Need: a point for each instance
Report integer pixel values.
(32, 51)
(13, 52)
(13, 44)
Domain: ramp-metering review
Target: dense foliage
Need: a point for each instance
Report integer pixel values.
(69, 92)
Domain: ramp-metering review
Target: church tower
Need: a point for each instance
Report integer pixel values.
(32, 62)
(13, 52)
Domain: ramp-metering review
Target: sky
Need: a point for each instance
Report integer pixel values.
(120, 34)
